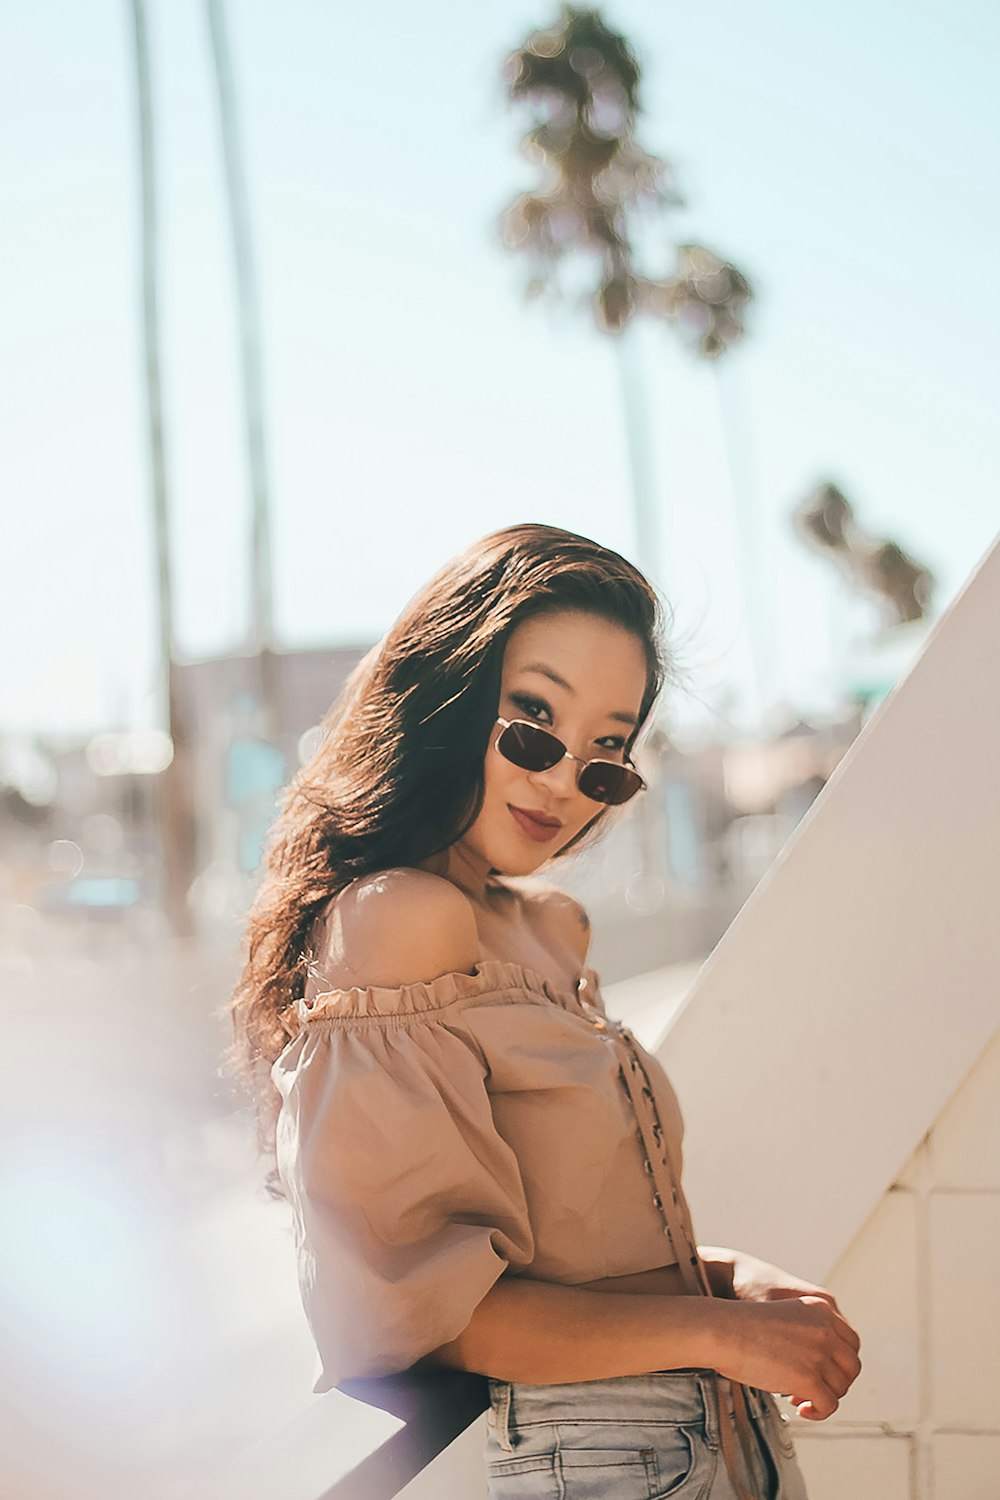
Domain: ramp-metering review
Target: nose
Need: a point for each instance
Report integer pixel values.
(560, 779)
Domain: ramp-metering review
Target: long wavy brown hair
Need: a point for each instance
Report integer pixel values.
(398, 775)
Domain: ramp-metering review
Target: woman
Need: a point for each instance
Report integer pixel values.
(467, 1140)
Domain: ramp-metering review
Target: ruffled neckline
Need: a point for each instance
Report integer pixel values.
(491, 975)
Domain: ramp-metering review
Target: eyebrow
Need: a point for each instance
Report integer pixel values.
(544, 671)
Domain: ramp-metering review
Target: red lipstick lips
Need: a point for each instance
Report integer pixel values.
(538, 826)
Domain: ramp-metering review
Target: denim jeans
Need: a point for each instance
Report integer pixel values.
(634, 1437)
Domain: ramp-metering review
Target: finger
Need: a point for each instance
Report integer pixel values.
(821, 1291)
(809, 1412)
(848, 1368)
(824, 1399)
(846, 1343)
(845, 1331)
(847, 1336)
(814, 1413)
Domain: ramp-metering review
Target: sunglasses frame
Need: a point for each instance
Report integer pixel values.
(596, 760)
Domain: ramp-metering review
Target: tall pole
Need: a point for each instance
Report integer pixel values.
(649, 557)
(755, 586)
(175, 803)
(261, 589)
(648, 542)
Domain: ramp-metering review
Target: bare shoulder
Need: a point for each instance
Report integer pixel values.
(563, 917)
(395, 927)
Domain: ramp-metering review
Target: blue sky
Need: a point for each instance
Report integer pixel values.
(845, 158)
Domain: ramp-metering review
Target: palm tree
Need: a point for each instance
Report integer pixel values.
(261, 590)
(175, 785)
(599, 193)
(879, 569)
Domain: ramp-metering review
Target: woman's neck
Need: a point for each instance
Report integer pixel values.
(469, 871)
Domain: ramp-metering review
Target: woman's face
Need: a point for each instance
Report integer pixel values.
(584, 678)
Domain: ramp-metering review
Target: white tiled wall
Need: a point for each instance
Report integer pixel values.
(837, 1468)
(966, 1465)
(877, 1288)
(921, 1283)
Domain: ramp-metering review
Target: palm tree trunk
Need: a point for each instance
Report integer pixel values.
(646, 530)
(261, 590)
(648, 553)
(175, 802)
(754, 583)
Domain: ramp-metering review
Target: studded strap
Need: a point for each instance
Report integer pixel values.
(678, 1229)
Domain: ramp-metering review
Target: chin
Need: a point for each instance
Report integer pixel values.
(514, 856)
(529, 861)
(519, 862)
(511, 865)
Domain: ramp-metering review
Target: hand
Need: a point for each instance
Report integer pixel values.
(799, 1346)
(756, 1280)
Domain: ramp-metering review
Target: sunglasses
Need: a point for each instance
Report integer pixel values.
(533, 748)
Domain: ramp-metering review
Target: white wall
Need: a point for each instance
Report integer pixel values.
(922, 1421)
(858, 985)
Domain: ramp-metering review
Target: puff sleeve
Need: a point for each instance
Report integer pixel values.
(407, 1203)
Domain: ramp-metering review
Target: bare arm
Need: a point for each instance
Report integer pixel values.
(543, 1333)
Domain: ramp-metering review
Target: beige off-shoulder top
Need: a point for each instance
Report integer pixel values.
(435, 1136)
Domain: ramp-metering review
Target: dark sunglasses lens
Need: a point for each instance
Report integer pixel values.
(606, 782)
(530, 748)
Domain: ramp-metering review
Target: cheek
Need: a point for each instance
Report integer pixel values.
(499, 781)
(584, 823)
